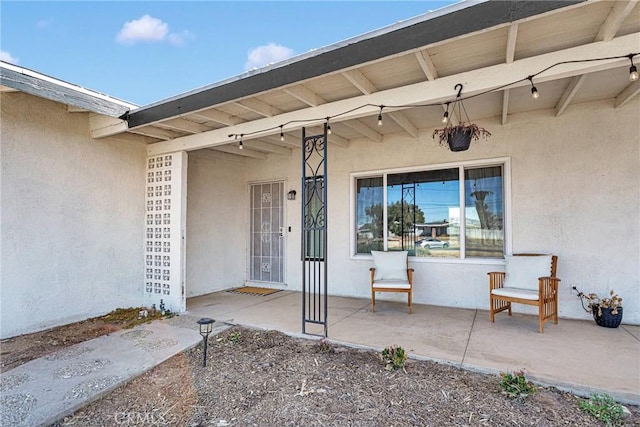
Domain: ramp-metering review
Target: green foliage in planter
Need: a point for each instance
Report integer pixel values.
(515, 384)
(604, 408)
(394, 357)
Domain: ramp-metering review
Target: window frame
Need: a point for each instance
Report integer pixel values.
(505, 162)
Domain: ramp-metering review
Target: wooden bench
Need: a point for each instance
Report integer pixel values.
(528, 279)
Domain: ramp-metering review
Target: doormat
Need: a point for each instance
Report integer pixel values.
(251, 290)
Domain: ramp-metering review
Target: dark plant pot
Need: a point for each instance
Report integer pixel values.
(607, 319)
(459, 140)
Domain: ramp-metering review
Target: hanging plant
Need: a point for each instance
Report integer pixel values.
(458, 137)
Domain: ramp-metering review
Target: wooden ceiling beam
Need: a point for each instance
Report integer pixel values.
(619, 12)
(305, 95)
(183, 125)
(218, 116)
(365, 130)
(627, 94)
(267, 147)
(404, 123)
(511, 43)
(259, 107)
(426, 64)
(101, 126)
(359, 80)
(155, 132)
(569, 93)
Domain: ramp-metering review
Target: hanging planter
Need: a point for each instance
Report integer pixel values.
(458, 137)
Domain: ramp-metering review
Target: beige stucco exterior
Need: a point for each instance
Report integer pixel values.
(71, 210)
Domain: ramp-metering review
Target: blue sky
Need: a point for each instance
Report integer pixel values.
(145, 51)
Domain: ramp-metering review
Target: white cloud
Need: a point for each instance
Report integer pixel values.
(7, 57)
(267, 54)
(179, 39)
(145, 29)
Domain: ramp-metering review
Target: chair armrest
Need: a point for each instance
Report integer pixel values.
(373, 274)
(548, 286)
(496, 279)
(410, 275)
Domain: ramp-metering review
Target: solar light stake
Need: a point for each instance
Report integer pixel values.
(206, 325)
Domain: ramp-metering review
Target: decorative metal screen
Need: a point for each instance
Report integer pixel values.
(314, 230)
(267, 233)
(164, 219)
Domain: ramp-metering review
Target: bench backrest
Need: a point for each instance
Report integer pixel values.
(523, 270)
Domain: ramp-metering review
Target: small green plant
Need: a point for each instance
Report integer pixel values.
(394, 357)
(235, 337)
(324, 346)
(515, 384)
(604, 408)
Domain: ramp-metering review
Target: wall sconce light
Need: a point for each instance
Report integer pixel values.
(206, 325)
(291, 195)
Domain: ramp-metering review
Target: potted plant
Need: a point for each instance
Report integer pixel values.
(606, 311)
(459, 136)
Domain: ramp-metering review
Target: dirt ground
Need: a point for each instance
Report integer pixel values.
(266, 378)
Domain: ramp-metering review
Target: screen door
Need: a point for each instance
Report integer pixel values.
(266, 263)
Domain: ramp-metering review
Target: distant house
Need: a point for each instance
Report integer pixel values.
(105, 204)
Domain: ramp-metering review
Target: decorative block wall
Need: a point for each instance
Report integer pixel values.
(165, 221)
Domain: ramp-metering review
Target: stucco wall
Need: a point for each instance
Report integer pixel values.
(216, 225)
(575, 193)
(72, 218)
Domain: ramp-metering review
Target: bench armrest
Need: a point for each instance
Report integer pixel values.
(496, 280)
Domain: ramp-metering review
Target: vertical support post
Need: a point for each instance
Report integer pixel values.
(314, 230)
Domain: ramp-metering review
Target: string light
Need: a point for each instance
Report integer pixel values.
(534, 90)
(633, 76)
(445, 116)
(240, 146)
(633, 70)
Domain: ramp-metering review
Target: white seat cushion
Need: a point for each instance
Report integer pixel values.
(390, 265)
(522, 272)
(391, 284)
(516, 293)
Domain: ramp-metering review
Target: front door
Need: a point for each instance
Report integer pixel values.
(266, 253)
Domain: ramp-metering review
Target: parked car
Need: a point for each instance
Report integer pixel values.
(432, 243)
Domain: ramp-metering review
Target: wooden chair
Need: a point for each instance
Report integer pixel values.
(528, 279)
(391, 274)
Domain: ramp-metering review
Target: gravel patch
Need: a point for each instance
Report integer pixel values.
(266, 378)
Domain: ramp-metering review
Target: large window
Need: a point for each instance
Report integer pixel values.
(453, 212)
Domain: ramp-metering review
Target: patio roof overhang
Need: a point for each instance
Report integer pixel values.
(489, 47)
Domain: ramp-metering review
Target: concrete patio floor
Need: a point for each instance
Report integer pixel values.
(575, 355)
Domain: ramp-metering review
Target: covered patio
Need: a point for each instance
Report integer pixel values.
(575, 355)
(202, 182)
